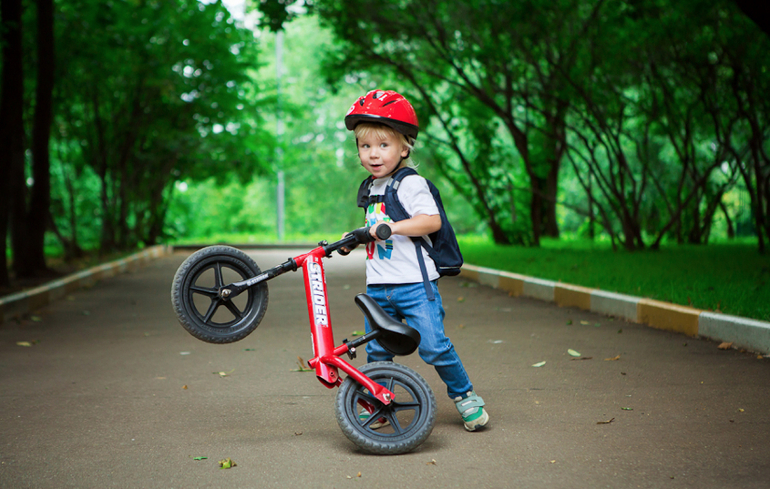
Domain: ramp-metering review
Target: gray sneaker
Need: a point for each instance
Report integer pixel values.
(471, 408)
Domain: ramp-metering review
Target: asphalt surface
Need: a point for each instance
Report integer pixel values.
(114, 393)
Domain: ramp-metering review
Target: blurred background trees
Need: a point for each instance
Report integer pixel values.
(124, 123)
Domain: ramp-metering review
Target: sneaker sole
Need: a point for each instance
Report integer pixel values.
(477, 423)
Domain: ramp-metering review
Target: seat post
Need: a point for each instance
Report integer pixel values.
(371, 335)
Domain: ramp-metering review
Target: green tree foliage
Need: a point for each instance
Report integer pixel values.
(508, 57)
(150, 92)
(657, 130)
(625, 90)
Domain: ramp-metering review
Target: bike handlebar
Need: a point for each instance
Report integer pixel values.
(357, 237)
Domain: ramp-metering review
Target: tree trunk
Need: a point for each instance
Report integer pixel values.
(730, 227)
(40, 198)
(544, 174)
(11, 118)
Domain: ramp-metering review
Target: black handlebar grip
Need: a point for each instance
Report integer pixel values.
(383, 231)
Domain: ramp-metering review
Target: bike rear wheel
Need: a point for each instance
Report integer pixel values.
(198, 306)
(411, 415)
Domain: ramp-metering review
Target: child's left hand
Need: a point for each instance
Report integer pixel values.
(373, 228)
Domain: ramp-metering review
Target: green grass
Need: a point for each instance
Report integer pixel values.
(729, 278)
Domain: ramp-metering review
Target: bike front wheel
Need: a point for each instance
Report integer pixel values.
(408, 420)
(198, 305)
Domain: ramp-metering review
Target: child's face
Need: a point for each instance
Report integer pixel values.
(381, 156)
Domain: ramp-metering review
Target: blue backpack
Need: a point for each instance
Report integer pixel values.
(445, 251)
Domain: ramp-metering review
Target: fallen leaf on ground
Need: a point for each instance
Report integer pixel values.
(200, 458)
(297, 433)
(36, 319)
(184, 387)
(301, 365)
(359, 474)
(613, 359)
(573, 352)
(432, 462)
(569, 321)
(606, 422)
(223, 374)
(227, 463)
(553, 461)
(540, 364)
(461, 299)
(584, 322)
(23, 343)
(627, 409)
(725, 345)
(249, 349)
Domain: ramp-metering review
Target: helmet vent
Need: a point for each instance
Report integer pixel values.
(388, 103)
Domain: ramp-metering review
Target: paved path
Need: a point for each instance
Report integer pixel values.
(99, 400)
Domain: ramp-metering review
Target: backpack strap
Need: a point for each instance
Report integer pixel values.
(363, 193)
(423, 269)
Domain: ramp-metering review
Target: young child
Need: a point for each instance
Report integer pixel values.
(386, 127)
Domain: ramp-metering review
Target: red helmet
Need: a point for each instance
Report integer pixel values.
(384, 107)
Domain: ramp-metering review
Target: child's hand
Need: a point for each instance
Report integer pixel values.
(373, 229)
(345, 250)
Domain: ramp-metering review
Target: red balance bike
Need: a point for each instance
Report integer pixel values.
(220, 296)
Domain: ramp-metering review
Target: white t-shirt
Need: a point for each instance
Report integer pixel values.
(394, 261)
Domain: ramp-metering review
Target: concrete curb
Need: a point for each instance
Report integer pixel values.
(21, 303)
(743, 333)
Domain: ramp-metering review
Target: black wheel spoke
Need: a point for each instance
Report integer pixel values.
(218, 275)
(212, 309)
(391, 416)
(406, 406)
(203, 291)
(368, 397)
(233, 309)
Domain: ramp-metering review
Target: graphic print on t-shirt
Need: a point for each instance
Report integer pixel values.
(374, 213)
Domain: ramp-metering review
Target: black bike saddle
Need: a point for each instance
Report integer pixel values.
(396, 337)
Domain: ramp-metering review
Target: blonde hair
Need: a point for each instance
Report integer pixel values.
(381, 131)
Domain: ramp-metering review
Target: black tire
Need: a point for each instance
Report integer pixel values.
(411, 414)
(195, 295)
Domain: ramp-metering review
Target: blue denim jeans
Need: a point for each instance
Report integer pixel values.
(410, 302)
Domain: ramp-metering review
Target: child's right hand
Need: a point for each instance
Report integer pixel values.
(345, 250)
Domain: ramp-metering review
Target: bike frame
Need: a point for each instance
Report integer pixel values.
(326, 360)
